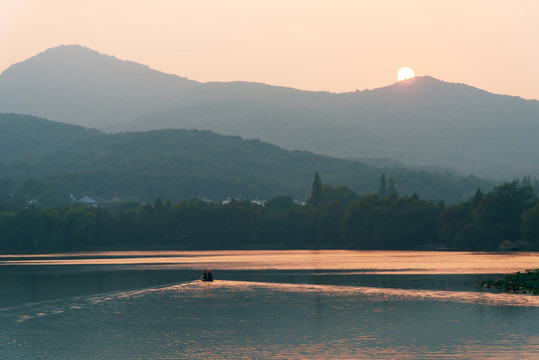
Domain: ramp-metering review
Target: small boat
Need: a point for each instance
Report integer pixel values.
(207, 275)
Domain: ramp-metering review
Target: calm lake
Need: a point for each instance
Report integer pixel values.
(265, 305)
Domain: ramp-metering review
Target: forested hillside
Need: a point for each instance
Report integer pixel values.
(24, 136)
(43, 162)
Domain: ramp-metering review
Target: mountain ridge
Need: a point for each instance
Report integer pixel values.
(422, 121)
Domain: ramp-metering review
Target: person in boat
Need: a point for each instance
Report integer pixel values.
(207, 275)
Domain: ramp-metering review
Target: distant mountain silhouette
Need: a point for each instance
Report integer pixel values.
(76, 85)
(422, 121)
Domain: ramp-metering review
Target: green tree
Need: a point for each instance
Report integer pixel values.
(359, 223)
(316, 190)
(526, 181)
(382, 189)
(391, 189)
(80, 227)
(495, 217)
(53, 197)
(530, 225)
(280, 204)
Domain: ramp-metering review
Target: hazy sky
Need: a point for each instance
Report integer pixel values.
(314, 45)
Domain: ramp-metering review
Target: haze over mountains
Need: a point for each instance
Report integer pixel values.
(423, 121)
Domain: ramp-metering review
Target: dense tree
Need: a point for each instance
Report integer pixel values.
(391, 189)
(530, 225)
(382, 189)
(386, 188)
(487, 220)
(340, 219)
(280, 204)
(316, 190)
(526, 181)
(360, 222)
(405, 223)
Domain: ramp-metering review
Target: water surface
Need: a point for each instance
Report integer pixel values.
(265, 304)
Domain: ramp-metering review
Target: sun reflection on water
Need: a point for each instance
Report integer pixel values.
(405, 262)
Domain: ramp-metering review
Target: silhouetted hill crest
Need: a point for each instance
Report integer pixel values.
(422, 121)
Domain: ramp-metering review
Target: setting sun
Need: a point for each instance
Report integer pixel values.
(405, 73)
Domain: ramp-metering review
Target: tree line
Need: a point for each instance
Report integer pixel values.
(334, 217)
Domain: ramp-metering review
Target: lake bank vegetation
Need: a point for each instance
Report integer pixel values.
(332, 218)
(527, 282)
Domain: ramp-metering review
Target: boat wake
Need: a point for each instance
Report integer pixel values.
(230, 289)
(57, 306)
(372, 293)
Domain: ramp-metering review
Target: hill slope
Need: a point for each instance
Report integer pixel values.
(181, 164)
(77, 85)
(423, 121)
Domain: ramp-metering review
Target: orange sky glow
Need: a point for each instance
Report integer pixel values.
(312, 45)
